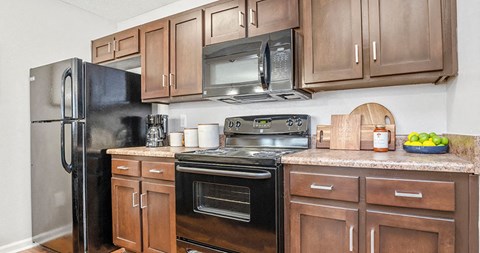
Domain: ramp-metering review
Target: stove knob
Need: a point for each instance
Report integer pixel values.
(289, 122)
(238, 124)
(230, 124)
(299, 122)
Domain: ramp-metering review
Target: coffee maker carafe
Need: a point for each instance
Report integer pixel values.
(157, 127)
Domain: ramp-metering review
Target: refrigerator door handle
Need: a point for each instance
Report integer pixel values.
(67, 73)
(66, 166)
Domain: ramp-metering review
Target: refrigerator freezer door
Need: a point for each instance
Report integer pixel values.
(57, 91)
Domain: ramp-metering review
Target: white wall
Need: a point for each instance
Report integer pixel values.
(33, 33)
(463, 93)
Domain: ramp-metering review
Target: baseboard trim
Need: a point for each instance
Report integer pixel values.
(17, 246)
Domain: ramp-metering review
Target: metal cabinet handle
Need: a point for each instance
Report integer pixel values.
(114, 45)
(109, 47)
(133, 199)
(156, 171)
(356, 53)
(172, 80)
(163, 80)
(351, 239)
(374, 44)
(122, 168)
(416, 195)
(141, 201)
(240, 19)
(321, 187)
(372, 240)
(251, 16)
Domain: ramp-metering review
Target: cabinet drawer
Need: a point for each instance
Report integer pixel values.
(324, 186)
(433, 195)
(159, 170)
(126, 167)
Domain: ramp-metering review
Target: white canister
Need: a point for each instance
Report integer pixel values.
(208, 136)
(176, 139)
(191, 137)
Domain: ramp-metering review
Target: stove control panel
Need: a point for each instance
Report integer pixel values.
(268, 124)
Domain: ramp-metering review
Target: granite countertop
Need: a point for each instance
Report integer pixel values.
(167, 152)
(395, 160)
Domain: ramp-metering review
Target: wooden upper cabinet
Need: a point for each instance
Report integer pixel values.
(318, 228)
(405, 36)
(186, 42)
(126, 214)
(158, 216)
(115, 46)
(225, 21)
(332, 40)
(155, 59)
(102, 49)
(394, 233)
(266, 16)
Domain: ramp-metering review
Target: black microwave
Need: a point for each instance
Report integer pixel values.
(254, 69)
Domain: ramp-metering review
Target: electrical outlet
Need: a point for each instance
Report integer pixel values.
(183, 120)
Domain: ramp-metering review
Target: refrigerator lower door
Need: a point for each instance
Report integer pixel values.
(57, 201)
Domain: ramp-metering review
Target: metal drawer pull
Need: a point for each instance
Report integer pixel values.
(321, 187)
(356, 53)
(372, 240)
(261, 174)
(141, 200)
(351, 239)
(374, 50)
(122, 168)
(251, 16)
(156, 171)
(240, 19)
(417, 195)
(133, 199)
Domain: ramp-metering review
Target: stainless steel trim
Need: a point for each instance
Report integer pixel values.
(321, 187)
(267, 141)
(240, 19)
(356, 53)
(226, 173)
(416, 195)
(141, 201)
(163, 80)
(133, 199)
(351, 239)
(372, 240)
(122, 168)
(156, 171)
(374, 44)
(250, 16)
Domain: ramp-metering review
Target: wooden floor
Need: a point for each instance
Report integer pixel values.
(40, 249)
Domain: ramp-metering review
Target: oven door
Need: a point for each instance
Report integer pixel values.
(230, 208)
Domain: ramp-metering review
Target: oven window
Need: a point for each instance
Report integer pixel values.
(222, 200)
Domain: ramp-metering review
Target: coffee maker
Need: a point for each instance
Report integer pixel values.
(157, 128)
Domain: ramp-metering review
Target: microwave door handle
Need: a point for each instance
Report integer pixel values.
(262, 65)
(67, 73)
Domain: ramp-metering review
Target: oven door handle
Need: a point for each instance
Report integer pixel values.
(262, 174)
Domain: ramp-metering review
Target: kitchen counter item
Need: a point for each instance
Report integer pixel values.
(176, 139)
(157, 128)
(345, 132)
(166, 152)
(393, 160)
(374, 113)
(366, 138)
(208, 136)
(426, 149)
(191, 137)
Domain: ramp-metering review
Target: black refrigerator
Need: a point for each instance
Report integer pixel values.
(79, 110)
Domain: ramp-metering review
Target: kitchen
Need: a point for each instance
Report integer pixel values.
(66, 31)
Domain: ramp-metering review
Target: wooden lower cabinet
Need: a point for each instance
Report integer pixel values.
(143, 207)
(319, 228)
(394, 233)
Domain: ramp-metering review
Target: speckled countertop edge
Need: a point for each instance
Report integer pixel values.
(166, 152)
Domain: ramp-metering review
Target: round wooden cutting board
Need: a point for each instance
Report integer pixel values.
(373, 113)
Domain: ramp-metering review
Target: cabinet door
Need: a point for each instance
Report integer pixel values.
(186, 54)
(102, 49)
(158, 215)
(155, 59)
(265, 16)
(126, 214)
(225, 22)
(332, 40)
(405, 36)
(126, 43)
(318, 228)
(394, 233)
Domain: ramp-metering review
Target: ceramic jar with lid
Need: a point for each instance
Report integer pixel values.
(208, 135)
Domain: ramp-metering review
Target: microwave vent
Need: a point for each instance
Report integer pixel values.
(255, 97)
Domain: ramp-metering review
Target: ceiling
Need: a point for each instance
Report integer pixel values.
(118, 10)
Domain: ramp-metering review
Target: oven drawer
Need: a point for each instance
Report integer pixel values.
(433, 195)
(324, 186)
(126, 167)
(158, 170)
